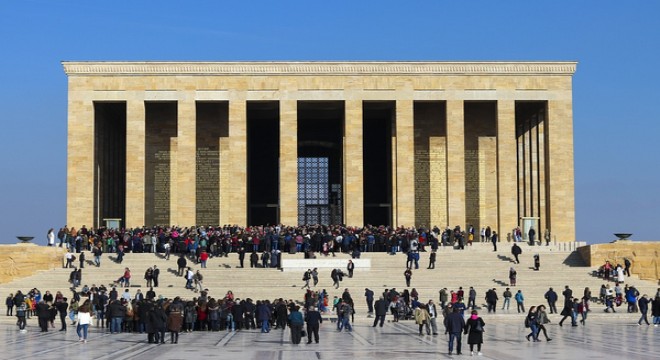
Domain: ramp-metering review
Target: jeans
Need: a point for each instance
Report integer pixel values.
(507, 301)
(455, 337)
(97, 260)
(115, 325)
(345, 324)
(265, 326)
(535, 331)
(231, 325)
(84, 331)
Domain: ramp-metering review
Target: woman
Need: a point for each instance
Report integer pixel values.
(175, 319)
(583, 309)
(296, 323)
(542, 319)
(531, 321)
(84, 319)
(619, 274)
(422, 318)
(512, 276)
(474, 327)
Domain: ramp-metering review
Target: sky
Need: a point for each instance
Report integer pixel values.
(615, 88)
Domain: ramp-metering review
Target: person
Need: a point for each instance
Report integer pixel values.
(350, 267)
(472, 298)
(627, 264)
(408, 275)
(313, 320)
(513, 274)
(432, 257)
(381, 307)
(655, 310)
(154, 275)
(97, 252)
(182, 264)
(149, 276)
(531, 322)
(620, 278)
(62, 307)
(507, 298)
(444, 297)
(9, 302)
(295, 321)
(537, 262)
(551, 296)
(569, 310)
(84, 319)
(474, 329)
(423, 319)
(491, 300)
(51, 237)
(346, 311)
(81, 259)
(315, 276)
(643, 304)
(21, 313)
(306, 277)
(493, 238)
(199, 281)
(542, 319)
(546, 236)
(520, 301)
(532, 235)
(454, 326)
(516, 251)
(369, 294)
(43, 314)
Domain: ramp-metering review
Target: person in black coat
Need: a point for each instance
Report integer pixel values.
(474, 329)
(158, 324)
(454, 326)
(62, 306)
(516, 251)
(381, 310)
(313, 320)
(43, 313)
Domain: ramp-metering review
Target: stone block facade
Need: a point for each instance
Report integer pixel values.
(455, 165)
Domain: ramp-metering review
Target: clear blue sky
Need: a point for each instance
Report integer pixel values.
(616, 96)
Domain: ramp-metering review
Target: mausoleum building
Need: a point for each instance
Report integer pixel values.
(382, 143)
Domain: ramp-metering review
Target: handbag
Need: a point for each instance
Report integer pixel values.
(478, 328)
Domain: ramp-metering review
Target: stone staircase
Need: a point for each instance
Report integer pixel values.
(476, 266)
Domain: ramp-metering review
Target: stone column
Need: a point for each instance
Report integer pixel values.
(186, 161)
(80, 159)
(353, 165)
(507, 185)
(405, 164)
(456, 163)
(561, 198)
(135, 161)
(238, 162)
(288, 176)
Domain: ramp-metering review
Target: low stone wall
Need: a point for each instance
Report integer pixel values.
(22, 260)
(642, 255)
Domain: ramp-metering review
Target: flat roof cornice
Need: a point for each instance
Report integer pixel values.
(173, 68)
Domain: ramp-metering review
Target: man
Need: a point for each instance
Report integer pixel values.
(516, 251)
(254, 260)
(546, 236)
(507, 299)
(313, 320)
(472, 297)
(491, 300)
(532, 235)
(116, 312)
(643, 304)
(568, 295)
(350, 267)
(62, 308)
(306, 277)
(551, 297)
(381, 310)
(346, 310)
(493, 238)
(627, 264)
(370, 301)
(444, 297)
(181, 263)
(520, 301)
(315, 276)
(454, 325)
(155, 273)
(189, 278)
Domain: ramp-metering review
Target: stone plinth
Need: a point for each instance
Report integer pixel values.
(642, 255)
(22, 260)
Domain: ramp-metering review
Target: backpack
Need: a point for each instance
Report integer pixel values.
(526, 322)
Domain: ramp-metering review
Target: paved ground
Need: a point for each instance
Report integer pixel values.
(503, 339)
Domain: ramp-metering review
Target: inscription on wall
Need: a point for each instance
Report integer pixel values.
(161, 187)
(208, 194)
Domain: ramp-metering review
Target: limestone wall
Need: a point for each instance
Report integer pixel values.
(22, 260)
(642, 255)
